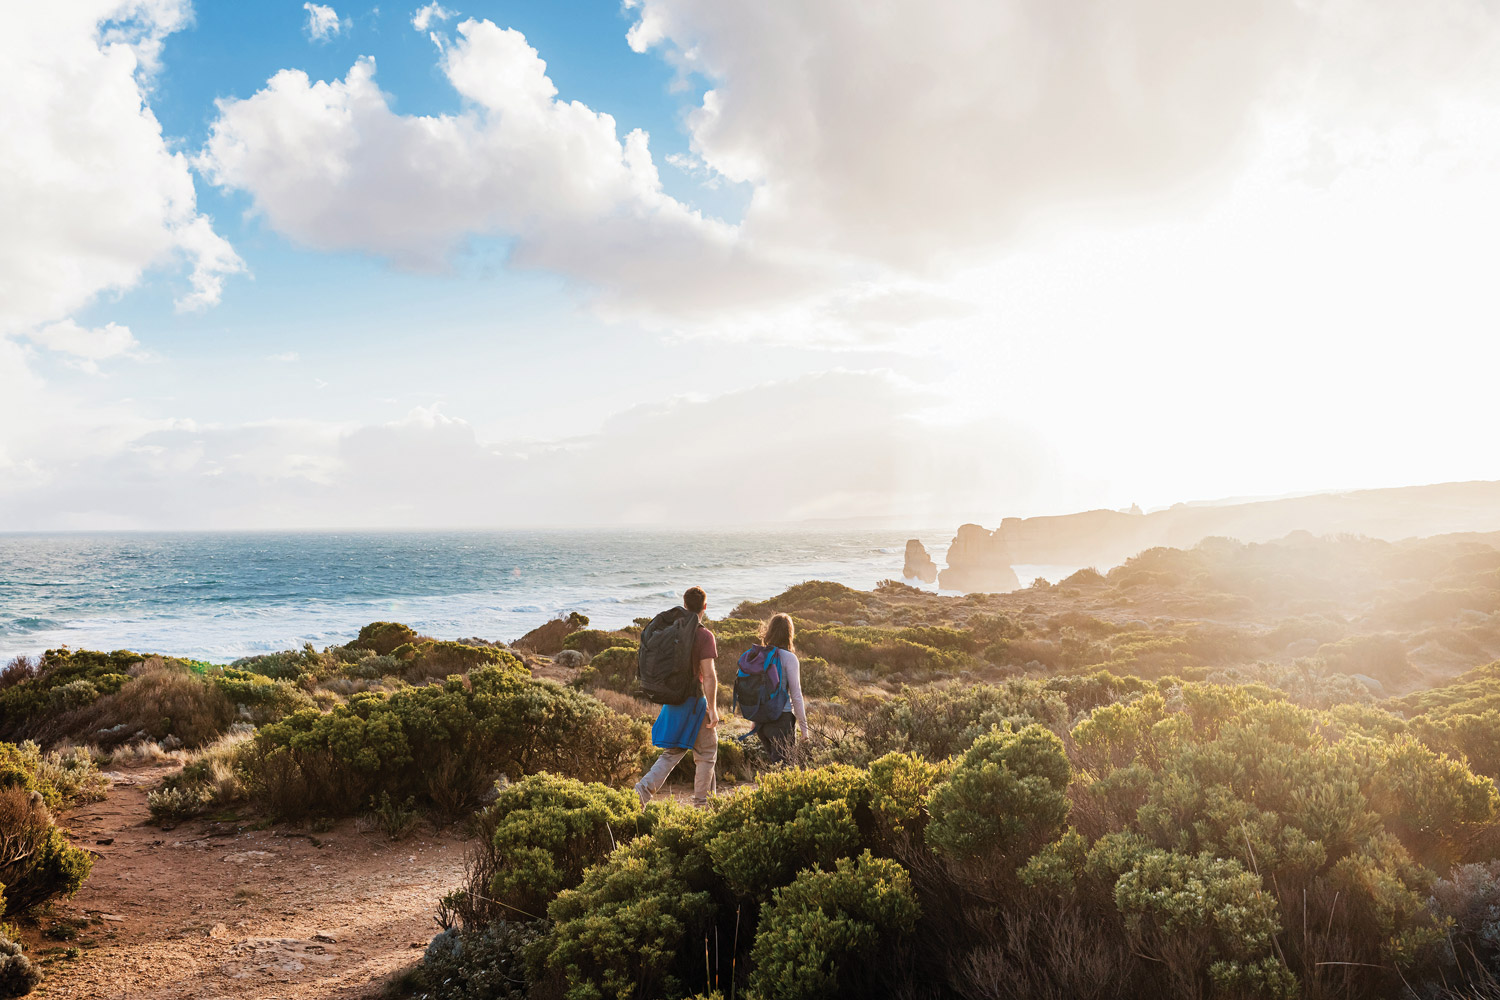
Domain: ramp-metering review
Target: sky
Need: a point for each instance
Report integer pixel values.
(292, 265)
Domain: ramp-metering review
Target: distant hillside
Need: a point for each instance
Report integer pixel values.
(1106, 537)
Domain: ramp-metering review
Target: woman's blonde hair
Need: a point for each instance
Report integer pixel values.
(779, 631)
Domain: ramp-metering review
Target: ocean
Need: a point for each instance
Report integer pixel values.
(219, 596)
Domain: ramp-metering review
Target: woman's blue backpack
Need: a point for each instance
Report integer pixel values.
(760, 691)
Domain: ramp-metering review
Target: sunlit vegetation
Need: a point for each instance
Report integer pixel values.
(1229, 771)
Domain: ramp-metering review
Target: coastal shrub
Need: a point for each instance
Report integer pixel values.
(210, 779)
(441, 744)
(592, 641)
(162, 698)
(92, 674)
(1204, 915)
(821, 679)
(546, 831)
(613, 667)
(833, 933)
(258, 697)
(818, 600)
(940, 721)
(18, 976)
(1382, 657)
(287, 665)
(795, 819)
(484, 964)
(37, 864)
(631, 926)
(381, 638)
(434, 658)
(18, 669)
(1002, 800)
(61, 778)
(879, 650)
(547, 639)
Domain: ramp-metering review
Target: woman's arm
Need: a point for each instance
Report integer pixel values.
(793, 668)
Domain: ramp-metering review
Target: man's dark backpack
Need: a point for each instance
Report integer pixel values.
(665, 666)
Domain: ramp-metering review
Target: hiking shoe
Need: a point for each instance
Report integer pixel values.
(642, 793)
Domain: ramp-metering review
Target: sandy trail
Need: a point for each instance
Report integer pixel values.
(215, 911)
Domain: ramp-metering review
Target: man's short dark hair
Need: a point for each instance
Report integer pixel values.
(695, 600)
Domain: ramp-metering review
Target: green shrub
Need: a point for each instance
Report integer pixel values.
(760, 839)
(615, 667)
(381, 638)
(288, 665)
(938, 722)
(547, 830)
(879, 650)
(1003, 800)
(441, 744)
(629, 929)
(90, 674)
(831, 933)
(483, 964)
(593, 641)
(37, 863)
(61, 778)
(264, 699)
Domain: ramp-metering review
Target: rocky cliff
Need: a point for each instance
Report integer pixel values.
(1104, 538)
(978, 562)
(919, 565)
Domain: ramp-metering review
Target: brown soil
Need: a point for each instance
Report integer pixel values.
(213, 911)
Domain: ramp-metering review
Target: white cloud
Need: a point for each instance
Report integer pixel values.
(91, 193)
(423, 17)
(286, 357)
(331, 166)
(917, 135)
(836, 444)
(323, 22)
(91, 346)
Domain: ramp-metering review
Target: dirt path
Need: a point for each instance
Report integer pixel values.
(217, 911)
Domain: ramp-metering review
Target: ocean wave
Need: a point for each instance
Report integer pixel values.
(24, 625)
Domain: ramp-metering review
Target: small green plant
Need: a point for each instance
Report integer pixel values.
(396, 821)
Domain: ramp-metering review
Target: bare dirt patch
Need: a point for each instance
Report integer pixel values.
(219, 910)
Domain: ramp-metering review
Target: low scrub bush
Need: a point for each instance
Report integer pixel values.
(258, 697)
(61, 778)
(546, 831)
(594, 641)
(633, 926)
(485, 964)
(210, 780)
(24, 704)
(18, 976)
(37, 864)
(613, 667)
(381, 638)
(1002, 801)
(442, 744)
(295, 665)
(833, 933)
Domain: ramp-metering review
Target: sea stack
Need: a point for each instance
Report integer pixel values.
(919, 565)
(978, 562)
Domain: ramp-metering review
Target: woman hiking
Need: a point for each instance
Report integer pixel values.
(776, 735)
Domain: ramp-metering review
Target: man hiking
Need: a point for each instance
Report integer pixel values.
(677, 669)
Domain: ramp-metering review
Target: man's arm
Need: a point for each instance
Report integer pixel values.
(710, 681)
